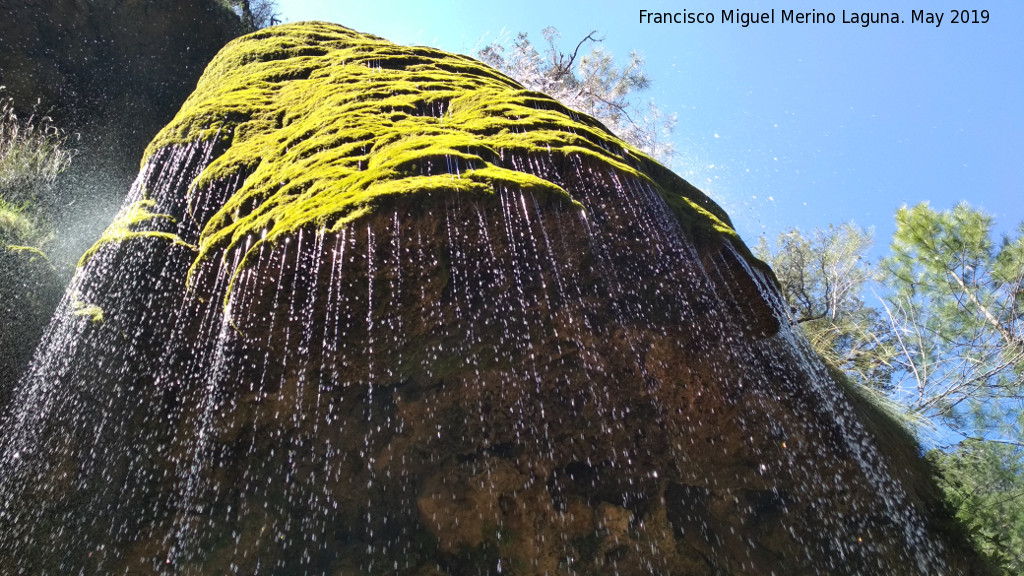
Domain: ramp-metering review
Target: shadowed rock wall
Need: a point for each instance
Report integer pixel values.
(106, 65)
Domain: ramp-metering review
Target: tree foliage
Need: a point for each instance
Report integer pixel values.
(955, 307)
(943, 333)
(984, 485)
(938, 321)
(33, 151)
(823, 277)
(255, 14)
(591, 82)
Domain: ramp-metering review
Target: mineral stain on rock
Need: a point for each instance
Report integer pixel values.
(378, 309)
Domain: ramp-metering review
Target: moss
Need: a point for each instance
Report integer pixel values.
(919, 476)
(15, 227)
(19, 228)
(328, 123)
(34, 254)
(124, 228)
(90, 311)
(887, 417)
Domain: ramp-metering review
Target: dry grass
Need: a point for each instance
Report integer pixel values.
(33, 151)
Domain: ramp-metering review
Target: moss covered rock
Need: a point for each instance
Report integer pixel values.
(110, 74)
(322, 124)
(373, 309)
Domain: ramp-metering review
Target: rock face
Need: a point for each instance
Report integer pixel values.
(377, 309)
(30, 290)
(97, 64)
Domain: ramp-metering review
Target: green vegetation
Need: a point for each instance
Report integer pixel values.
(590, 82)
(946, 337)
(984, 485)
(125, 224)
(32, 152)
(823, 276)
(957, 296)
(91, 311)
(254, 14)
(18, 227)
(946, 330)
(326, 124)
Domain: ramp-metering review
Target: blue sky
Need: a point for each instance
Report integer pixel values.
(789, 125)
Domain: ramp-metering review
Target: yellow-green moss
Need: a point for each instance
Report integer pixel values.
(32, 252)
(124, 224)
(326, 123)
(84, 310)
(18, 228)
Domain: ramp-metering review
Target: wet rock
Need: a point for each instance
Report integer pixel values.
(30, 289)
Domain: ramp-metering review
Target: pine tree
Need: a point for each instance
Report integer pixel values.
(955, 312)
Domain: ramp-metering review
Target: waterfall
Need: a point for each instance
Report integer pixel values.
(526, 362)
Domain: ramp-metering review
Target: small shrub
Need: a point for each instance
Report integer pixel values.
(33, 151)
(16, 227)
